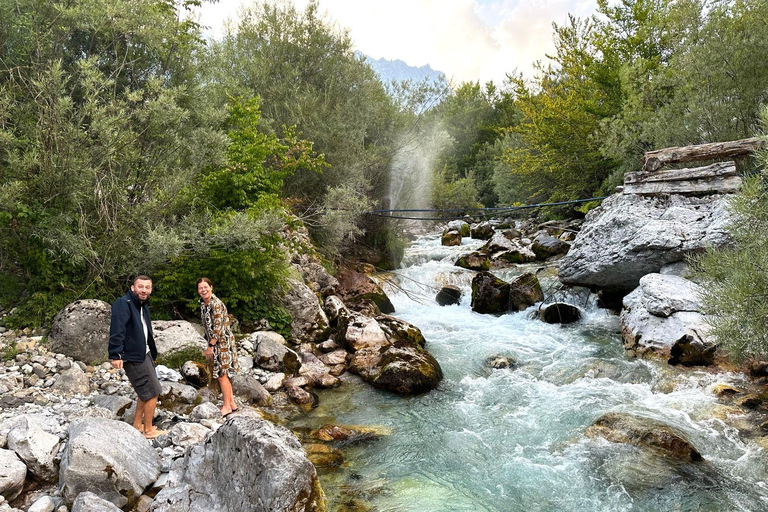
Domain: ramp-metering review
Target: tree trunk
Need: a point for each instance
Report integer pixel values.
(655, 160)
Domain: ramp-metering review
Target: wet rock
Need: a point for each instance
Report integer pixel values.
(176, 335)
(357, 331)
(459, 226)
(266, 470)
(89, 502)
(13, 471)
(450, 239)
(449, 295)
(545, 246)
(499, 362)
(349, 434)
(354, 286)
(645, 434)
(560, 313)
(524, 291)
(109, 458)
(196, 374)
(489, 294)
(474, 261)
(399, 332)
(299, 395)
(35, 447)
(403, 370)
(690, 351)
(323, 456)
(178, 398)
(81, 330)
(481, 231)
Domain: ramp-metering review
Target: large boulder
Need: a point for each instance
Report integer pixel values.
(448, 295)
(314, 274)
(247, 464)
(109, 458)
(35, 447)
(249, 388)
(474, 261)
(560, 313)
(489, 294)
(459, 226)
(645, 434)
(664, 313)
(481, 231)
(196, 374)
(176, 335)
(308, 320)
(355, 286)
(12, 474)
(630, 236)
(450, 239)
(81, 331)
(357, 331)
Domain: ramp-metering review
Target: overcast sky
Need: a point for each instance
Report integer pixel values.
(468, 40)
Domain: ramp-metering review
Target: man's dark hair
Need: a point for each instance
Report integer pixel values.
(141, 277)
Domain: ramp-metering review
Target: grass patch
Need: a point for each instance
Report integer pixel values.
(177, 359)
(9, 352)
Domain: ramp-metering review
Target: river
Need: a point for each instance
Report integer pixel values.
(513, 439)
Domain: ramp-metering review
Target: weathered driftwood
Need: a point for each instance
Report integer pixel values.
(722, 178)
(655, 160)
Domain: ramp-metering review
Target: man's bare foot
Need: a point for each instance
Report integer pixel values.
(154, 433)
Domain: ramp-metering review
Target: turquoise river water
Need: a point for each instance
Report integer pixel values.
(513, 439)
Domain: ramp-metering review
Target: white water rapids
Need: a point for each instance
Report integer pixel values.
(513, 439)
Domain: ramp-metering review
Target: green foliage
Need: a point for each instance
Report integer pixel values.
(9, 353)
(176, 359)
(458, 193)
(735, 280)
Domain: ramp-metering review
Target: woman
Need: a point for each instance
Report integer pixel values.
(221, 342)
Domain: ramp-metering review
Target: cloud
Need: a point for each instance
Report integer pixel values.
(466, 39)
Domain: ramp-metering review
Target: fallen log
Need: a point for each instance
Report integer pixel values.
(719, 178)
(710, 171)
(655, 160)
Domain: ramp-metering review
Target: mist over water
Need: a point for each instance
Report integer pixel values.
(513, 439)
(410, 172)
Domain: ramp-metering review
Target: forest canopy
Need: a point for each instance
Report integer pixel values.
(130, 143)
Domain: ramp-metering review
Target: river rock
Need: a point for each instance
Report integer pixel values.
(308, 320)
(89, 502)
(73, 381)
(314, 274)
(524, 291)
(13, 471)
(43, 504)
(560, 313)
(545, 246)
(449, 295)
(205, 411)
(35, 447)
(645, 434)
(459, 226)
(481, 231)
(354, 286)
(249, 388)
(81, 331)
(196, 374)
(406, 370)
(187, 434)
(474, 261)
(450, 239)
(651, 323)
(333, 306)
(357, 331)
(109, 458)
(629, 236)
(399, 332)
(176, 335)
(269, 354)
(489, 294)
(117, 404)
(266, 469)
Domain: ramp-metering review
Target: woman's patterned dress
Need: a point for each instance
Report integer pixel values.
(216, 323)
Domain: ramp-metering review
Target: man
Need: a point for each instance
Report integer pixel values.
(132, 348)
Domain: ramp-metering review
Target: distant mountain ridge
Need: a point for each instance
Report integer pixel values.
(398, 70)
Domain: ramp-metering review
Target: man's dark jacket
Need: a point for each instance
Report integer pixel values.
(126, 333)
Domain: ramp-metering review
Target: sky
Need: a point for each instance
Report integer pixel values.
(468, 40)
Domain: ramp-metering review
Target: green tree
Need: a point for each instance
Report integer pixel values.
(735, 279)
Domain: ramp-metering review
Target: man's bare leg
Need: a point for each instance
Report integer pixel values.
(149, 413)
(138, 417)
